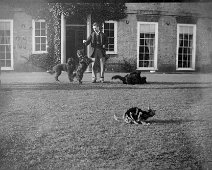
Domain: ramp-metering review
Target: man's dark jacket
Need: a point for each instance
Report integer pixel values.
(92, 39)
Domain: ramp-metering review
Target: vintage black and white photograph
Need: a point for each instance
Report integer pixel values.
(105, 85)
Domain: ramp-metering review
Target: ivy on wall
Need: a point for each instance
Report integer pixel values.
(51, 12)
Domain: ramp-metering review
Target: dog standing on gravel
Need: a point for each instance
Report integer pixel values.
(84, 62)
(69, 67)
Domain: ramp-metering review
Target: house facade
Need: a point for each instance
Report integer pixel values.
(161, 37)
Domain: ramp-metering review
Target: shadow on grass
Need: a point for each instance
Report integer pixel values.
(106, 85)
(178, 83)
(172, 121)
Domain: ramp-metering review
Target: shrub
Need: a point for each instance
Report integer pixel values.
(129, 65)
(45, 61)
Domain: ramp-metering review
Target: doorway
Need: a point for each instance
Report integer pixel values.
(75, 34)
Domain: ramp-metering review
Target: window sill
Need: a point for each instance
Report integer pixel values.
(7, 68)
(111, 52)
(147, 68)
(40, 52)
(185, 69)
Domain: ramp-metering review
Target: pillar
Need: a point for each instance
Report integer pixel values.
(63, 39)
(88, 33)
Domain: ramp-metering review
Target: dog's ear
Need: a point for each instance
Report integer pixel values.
(90, 60)
(82, 51)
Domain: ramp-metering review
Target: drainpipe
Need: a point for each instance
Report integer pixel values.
(63, 39)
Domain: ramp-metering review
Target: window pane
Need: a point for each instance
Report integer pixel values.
(1, 26)
(185, 37)
(43, 25)
(106, 26)
(7, 32)
(43, 47)
(151, 57)
(144, 28)
(37, 40)
(2, 63)
(37, 25)
(147, 35)
(152, 36)
(151, 64)
(2, 48)
(37, 47)
(141, 56)
(186, 43)
(180, 63)
(43, 32)
(8, 63)
(141, 64)
(152, 28)
(111, 40)
(2, 55)
(141, 41)
(37, 32)
(111, 33)
(4, 25)
(141, 35)
(184, 57)
(43, 40)
(141, 49)
(112, 26)
(8, 55)
(147, 28)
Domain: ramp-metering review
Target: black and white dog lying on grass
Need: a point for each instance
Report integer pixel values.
(136, 115)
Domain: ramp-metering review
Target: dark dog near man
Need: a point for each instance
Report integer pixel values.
(84, 62)
(132, 78)
(69, 67)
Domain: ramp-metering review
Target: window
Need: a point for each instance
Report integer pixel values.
(147, 45)
(110, 29)
(39, 36)
(186, 44)
(6, 44)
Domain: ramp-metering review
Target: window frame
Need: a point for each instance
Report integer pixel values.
(139, 23)
(11, 43)
(193, 51)
(115, 37)
(33, 37)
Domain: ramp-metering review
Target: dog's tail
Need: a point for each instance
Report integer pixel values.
(117, 118)
(50, 71)
(119, 77)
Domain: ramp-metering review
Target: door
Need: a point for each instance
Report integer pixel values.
(6, 44)
(74, 40)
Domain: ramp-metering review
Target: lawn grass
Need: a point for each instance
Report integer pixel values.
(67, 126)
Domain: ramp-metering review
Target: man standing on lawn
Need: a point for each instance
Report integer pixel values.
(98, 42)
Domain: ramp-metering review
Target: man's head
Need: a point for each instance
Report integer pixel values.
(96, 27)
